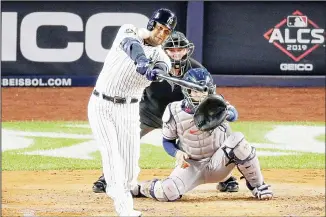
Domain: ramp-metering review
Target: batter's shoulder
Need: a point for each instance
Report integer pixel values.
(126, 31)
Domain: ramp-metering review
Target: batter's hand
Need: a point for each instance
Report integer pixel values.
(142, 65)
(152, 74)
(181, 159)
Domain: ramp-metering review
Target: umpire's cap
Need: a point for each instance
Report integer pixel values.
(163, 16)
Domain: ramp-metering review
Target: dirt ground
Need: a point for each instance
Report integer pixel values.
(68, 193)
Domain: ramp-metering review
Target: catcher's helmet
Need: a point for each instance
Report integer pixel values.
(163, 16)
(179, 49)
(198, 76)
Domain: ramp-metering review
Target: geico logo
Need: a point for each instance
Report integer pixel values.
(304, 36)
(73, 22)
(296, 67)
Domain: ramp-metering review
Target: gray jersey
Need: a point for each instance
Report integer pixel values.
(213, 155)
(178, 124)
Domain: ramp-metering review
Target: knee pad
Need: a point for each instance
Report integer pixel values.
(165, 190)
(237, 149)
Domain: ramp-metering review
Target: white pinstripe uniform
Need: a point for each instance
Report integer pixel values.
(116, 127)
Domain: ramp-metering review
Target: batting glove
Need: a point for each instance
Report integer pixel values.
(142, 65)
(152, 75)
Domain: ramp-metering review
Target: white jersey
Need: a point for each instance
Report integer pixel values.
(118, 76)
(115, 126)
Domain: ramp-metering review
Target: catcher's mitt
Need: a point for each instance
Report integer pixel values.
(210, 113)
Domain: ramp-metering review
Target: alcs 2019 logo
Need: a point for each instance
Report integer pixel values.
(296, 36)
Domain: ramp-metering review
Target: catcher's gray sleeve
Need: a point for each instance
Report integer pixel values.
(169, 129)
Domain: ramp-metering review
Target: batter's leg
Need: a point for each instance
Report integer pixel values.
(128, 130)
(100, 184)
(104, 131)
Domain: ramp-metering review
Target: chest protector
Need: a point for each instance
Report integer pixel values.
(198, 144)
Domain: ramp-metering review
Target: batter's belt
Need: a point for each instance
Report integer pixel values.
(115, 99)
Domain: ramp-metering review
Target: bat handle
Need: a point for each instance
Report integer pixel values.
(160, 75)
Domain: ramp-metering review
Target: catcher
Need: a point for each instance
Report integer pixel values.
(206, 151)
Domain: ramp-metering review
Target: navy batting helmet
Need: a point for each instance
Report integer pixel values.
(198, 76)
(163, 16)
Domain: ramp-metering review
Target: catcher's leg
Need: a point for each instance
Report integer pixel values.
(178, 183)
(240, 152)
(231, 184)
(216, 171)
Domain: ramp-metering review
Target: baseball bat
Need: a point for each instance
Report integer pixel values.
(184, 83)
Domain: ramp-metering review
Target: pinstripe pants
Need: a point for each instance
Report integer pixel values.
(116, 130)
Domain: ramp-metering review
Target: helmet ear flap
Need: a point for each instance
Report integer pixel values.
(151, 25)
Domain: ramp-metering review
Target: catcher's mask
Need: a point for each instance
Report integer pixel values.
(179, 49)
(198, 76)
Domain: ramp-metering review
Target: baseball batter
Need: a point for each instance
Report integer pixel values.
(202, 157)
(159, 94)
(113, 108)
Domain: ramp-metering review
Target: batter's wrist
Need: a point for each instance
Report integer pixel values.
(140, 57)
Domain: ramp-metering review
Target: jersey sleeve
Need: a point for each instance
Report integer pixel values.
(126, 30)
(169, 129)
(163, 57)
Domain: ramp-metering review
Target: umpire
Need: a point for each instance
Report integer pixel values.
(159, 94)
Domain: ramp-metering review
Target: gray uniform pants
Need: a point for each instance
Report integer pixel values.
(209, 170)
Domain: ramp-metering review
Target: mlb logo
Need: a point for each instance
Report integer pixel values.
(297, 21)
